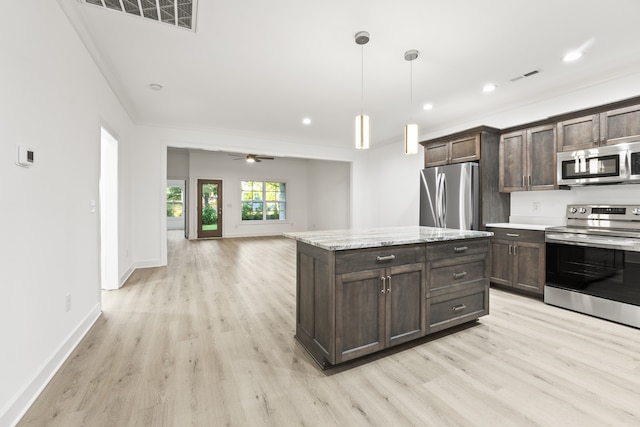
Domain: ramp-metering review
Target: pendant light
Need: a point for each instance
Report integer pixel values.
(362, 121)
(411, 130)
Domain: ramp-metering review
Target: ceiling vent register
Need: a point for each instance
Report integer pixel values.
(180, 13)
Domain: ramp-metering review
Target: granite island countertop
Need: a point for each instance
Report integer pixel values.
(338, 240)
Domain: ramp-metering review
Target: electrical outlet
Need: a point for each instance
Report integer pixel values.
(535, 206)
(67, 302)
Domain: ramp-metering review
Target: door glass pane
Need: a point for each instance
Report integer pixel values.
(209, 207)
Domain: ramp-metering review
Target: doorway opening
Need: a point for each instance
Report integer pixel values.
(209, 208)
(108, 188)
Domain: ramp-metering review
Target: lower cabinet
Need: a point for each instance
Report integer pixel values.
(458, 284)
(518, 259)
(356, 302)
(376, 309)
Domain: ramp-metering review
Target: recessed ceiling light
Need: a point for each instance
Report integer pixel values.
(427, 107)
(155, 86)
(306, 121)
(572, 56)
(489, 87)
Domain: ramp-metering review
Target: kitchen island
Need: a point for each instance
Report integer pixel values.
(361, 291)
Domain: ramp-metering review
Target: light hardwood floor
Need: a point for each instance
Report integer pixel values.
(208, 341)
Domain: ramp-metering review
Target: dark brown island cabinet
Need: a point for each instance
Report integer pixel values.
(362, 292)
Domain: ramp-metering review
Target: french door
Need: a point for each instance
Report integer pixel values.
(209, 208)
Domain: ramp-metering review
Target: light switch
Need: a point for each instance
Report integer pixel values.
(92, 206)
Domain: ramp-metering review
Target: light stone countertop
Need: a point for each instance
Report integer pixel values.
(338, 240)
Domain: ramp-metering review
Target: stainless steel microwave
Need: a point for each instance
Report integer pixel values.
(634, 162)
(599, 165)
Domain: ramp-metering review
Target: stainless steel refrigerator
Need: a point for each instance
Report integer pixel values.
(449, 196)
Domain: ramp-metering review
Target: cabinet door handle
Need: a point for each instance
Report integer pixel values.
(458, 307)
(460, 248)
(513, 235)
(515, 250)
(524, 183)
(388, 284)
(529, 181)
(384, 285)
(510, 249)
(385, 258)
(459, 275)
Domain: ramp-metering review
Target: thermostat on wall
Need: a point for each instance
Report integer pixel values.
(25, 156)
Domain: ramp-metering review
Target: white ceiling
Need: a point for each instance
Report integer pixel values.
(260, 67)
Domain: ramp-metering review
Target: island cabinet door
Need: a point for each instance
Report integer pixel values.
(360, 313)
(406, 285)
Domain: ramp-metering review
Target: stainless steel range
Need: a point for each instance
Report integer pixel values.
(593, 263)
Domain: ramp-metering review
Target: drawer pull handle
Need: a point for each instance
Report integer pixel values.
(385, 258)
(513, 235)
(459, 275)
(458, 307)
(460, 248)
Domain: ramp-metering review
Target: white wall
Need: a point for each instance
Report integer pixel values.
(212, 165)
(392, 186)
(329, 195)
(54, 100)
(549, 207)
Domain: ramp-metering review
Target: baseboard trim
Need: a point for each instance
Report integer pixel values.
(15, 410)
(125, 276)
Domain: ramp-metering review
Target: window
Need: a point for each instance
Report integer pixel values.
(263, 201)
(174, 202)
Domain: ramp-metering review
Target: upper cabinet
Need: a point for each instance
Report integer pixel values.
(620, 125)
(527, 159)
(463, 149)
(606, 128)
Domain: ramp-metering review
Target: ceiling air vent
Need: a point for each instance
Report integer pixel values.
(181, 13)
(529, 74)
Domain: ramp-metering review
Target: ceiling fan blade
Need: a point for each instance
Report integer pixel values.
(265, 158)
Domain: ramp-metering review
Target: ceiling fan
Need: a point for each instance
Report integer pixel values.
(254, 158)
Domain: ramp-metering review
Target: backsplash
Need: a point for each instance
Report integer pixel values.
(548, 207)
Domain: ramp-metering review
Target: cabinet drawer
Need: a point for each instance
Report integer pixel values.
(374, 258)
(455, 308)
(534, 236)
(453, 273)
(454, 248)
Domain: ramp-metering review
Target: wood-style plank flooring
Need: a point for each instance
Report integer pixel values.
(208, 341)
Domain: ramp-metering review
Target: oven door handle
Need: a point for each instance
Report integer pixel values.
(572, 239)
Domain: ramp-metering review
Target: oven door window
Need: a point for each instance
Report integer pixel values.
(606, 273)
(594, 167)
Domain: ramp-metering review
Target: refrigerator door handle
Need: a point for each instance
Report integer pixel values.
(444, 201)
(439, 199)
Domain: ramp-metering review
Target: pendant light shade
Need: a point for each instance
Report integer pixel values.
(362, 132)
(362, 121)
(411, 139)
(411, 130)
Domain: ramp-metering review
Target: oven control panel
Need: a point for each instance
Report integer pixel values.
(607, 212)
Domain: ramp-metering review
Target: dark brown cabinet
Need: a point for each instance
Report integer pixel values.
(528, 159)
(610, 127)
(457, 150)
(458, 285)
(518, 259)
(350, 303)
(376, 309)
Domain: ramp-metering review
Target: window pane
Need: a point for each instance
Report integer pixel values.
(251, 211)
(275, 211)
(174, 202)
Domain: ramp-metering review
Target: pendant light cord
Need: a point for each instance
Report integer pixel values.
(361, 79)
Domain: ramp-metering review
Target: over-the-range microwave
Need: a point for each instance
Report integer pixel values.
(600, 165)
